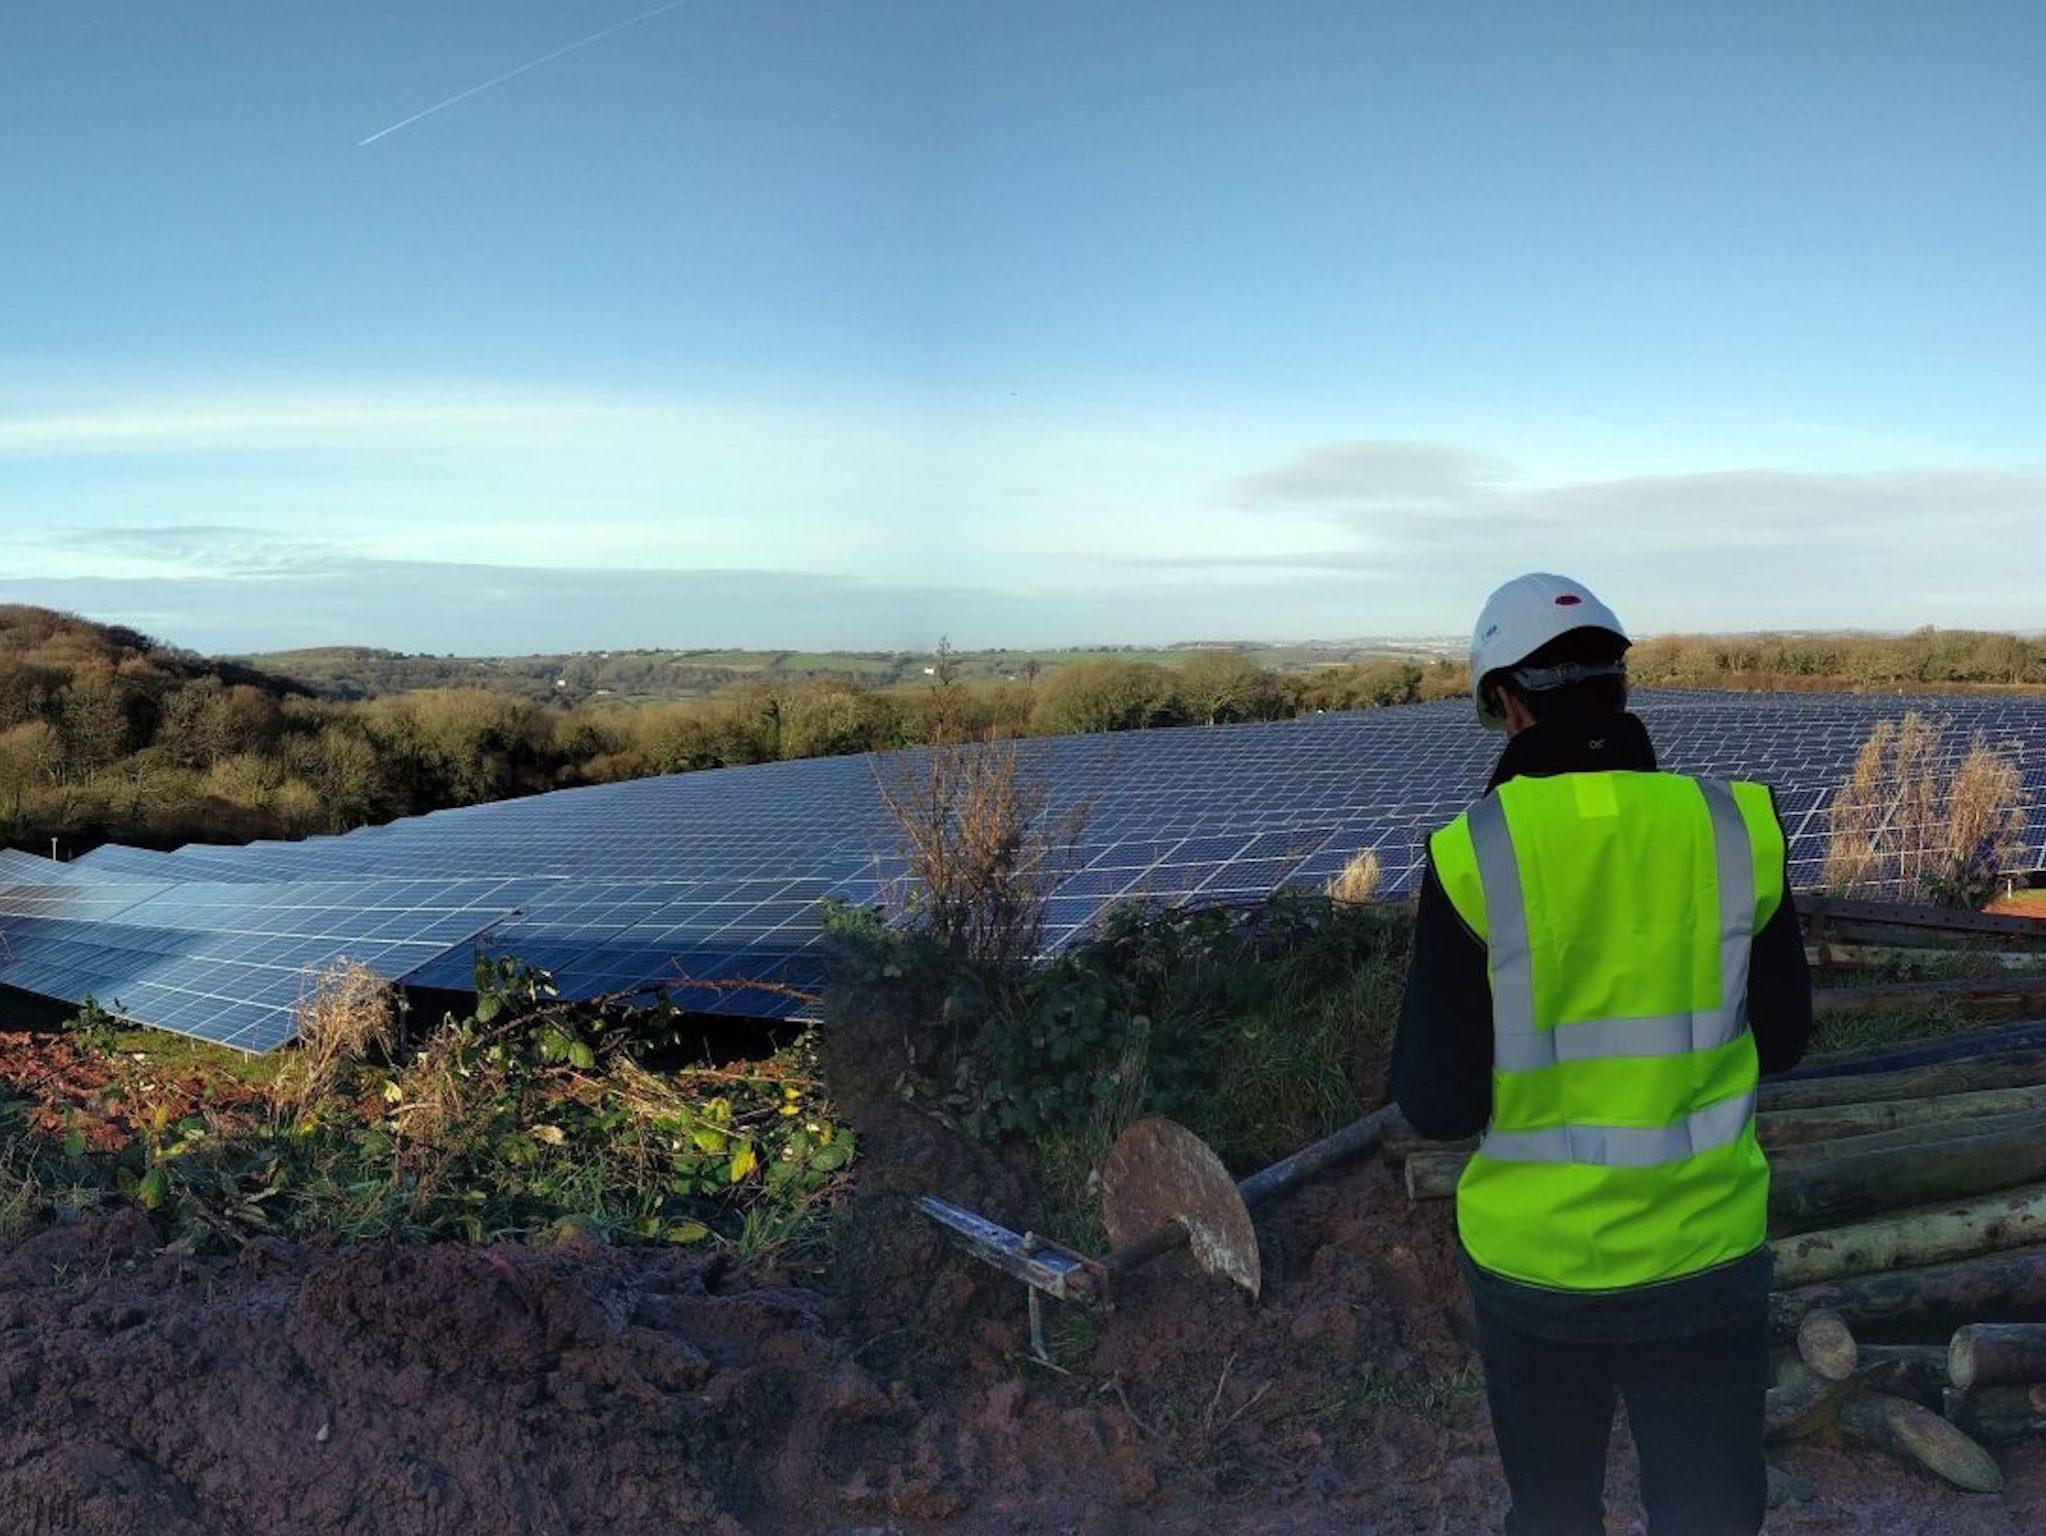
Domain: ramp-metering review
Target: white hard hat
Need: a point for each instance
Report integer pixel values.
(1522, 617)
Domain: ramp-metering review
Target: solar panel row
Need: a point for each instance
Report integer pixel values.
(704, 882)
(227, 962)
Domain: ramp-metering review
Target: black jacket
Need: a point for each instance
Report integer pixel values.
(1442, 1059)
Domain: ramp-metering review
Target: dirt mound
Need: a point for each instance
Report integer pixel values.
(379, 1391)
(388, 1390)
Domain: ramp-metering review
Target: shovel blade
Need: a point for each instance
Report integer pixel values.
(1159, 1172)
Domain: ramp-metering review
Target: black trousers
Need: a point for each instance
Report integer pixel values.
(1694, 1405)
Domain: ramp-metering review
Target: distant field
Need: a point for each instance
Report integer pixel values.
(352, 672)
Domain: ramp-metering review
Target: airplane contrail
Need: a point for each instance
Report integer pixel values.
(512, 74)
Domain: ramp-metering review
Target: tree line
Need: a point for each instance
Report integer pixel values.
(106, 735)
(1921, 659)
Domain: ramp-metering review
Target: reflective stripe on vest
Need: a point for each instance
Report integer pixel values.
(1520, 1046)
(1618, 909)
(1626, 1146)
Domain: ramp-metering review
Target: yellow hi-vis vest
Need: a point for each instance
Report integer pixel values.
(1618, 910)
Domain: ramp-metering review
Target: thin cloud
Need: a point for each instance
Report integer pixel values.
(1722, 549)
(430, 606)
(1427, 494)
(167, 421)
(210, 549)
(1371, 474)
(480, 609)
(793, 523)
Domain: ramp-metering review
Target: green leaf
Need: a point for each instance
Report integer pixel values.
(153, 1189)
(744, 1161)
(687, 1232)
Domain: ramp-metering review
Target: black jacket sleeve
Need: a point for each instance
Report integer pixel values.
(1442, 1056)
(1780, 990)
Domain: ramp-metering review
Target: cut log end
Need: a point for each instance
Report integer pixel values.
(1961, 1360)
(1984, 1354)
(1432, 1175)
(1918, 1435)
(1826, 1345)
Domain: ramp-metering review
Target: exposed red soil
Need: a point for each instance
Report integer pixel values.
(105, 1098)
(582, 1389)
(413, 1392)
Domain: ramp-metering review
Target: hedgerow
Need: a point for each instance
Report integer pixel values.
(527, 1118)
(1258, 1028)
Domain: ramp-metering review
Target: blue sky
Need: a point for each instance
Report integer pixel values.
(858, 324)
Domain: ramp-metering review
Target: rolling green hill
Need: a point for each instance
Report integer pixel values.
(357, 672)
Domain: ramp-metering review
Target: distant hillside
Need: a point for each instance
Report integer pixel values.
(104, 728)
(360, 672)
(105, 734)
(39, 646)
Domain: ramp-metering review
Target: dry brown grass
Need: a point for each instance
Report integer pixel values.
(1986, 810)
(972, 824)
(434, 1093)
(1358, 880)
(348, 1015)
(21, 1194)
(1898, 826)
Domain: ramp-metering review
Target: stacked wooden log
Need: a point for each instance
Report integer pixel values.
(1907, 1217)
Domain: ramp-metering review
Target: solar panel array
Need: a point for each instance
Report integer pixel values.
(711, 885)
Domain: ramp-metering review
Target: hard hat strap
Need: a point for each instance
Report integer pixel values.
(1542, 679)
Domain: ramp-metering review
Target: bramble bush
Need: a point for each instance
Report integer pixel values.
(1259, 1029)
(526, 1118)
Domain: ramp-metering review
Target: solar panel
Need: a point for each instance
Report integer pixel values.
(228, 963)
(707, 881)
(29, 867)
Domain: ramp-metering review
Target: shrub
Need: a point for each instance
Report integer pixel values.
(348, 1018)
(528, 1117)
(1897, 825)
(1219, 686)
(1106, 695)
(970, 823)
(1357, 882)
(1259, 1028)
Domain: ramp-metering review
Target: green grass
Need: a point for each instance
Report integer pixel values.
(181, 1055)
(1352, 1398)
(1897, 1026)
(1910, 1022)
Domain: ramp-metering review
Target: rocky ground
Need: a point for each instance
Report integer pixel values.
(584, 1389)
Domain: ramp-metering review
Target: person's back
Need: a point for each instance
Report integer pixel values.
(1606, 958)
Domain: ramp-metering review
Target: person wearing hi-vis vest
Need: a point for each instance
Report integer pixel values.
(1605, 961)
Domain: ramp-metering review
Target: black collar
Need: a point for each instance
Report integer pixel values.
(1617, 742)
